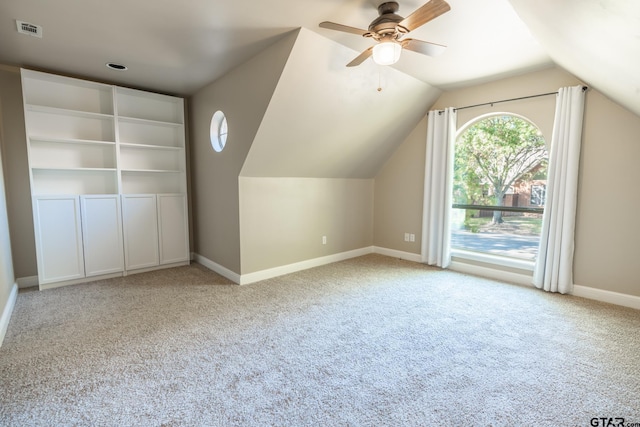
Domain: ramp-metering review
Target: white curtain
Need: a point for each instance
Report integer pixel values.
(438, 180)
(554, 266)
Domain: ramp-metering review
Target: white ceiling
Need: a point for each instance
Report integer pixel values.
(180, 46)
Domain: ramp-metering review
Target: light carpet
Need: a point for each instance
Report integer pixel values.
(372, 341)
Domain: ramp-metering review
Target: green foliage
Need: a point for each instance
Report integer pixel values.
(523, 225)
(492, 154)
(470, 220)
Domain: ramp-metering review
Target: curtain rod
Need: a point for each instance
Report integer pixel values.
(511, 99)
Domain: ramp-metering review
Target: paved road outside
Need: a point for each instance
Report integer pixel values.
(513, 245)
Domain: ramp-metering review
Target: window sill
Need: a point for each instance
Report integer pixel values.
(497, 260)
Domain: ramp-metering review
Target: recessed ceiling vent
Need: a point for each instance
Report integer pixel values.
(30, 29)
(117, 67)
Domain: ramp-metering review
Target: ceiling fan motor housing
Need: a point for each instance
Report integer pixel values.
(387, 22)
(388, 7)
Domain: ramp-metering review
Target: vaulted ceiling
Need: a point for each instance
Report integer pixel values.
(178, 47)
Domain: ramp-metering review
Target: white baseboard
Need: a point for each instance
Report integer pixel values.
(617, 298)
(270, 273)
(409, 256)
(27, 282)
(223, 271)
(6, 312)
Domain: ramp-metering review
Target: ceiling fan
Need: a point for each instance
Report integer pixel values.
(389, 29)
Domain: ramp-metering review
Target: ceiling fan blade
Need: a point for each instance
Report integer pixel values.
(343, 28)
(361, 58)
(424, 14)
(425, 48)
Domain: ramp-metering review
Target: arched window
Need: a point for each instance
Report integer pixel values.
(500, 176)
(218, 131)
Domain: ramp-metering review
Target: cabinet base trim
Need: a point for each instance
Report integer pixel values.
(78, 281)
(156, 267)
(109, 276)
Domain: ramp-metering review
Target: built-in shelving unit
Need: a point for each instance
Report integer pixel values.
(151, 141)
(89, 142)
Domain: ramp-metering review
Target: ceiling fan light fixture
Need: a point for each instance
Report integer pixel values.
(386, 53)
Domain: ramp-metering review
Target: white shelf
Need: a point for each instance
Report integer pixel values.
(152, 182)
(80, 181)
(74, 169)
(135, 104)
(55, 124)
(67, 112)
(150, 147)
(137, 158)
(151, 171)
(148, 121)
(67, 94)
(145, 132)
(45, 139)
(60, 154)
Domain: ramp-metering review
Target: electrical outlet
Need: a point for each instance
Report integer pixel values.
(412, 237)
(324, 240)
(406, 237)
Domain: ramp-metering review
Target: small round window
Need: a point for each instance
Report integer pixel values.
(218, 131)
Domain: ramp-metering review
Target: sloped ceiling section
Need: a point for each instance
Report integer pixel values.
(329, 121)
(598, 41)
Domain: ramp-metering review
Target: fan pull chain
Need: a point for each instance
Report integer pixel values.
(379, 81)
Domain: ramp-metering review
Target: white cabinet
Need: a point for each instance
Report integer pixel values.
(102, 234)
(58, 238)
(172, 228)
(155, 230)
(120, 154)
(140, 231)
(77, 237)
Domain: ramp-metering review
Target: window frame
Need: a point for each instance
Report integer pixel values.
(471, 256)
(217, 137)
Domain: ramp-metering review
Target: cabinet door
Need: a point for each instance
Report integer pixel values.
(102, 234)
(58, 238)
(173, 228)
(140, 222)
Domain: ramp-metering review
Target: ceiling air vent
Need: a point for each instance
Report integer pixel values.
(30, 29)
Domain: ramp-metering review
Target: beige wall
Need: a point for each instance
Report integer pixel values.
(399, 188)
(243, 95)
(538, 110)
(18, 190)
(282, 220)
(7, 278)
(606, 232)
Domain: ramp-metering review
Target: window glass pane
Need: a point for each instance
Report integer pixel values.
(500, 161)
(218, 131)
(518, 236)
